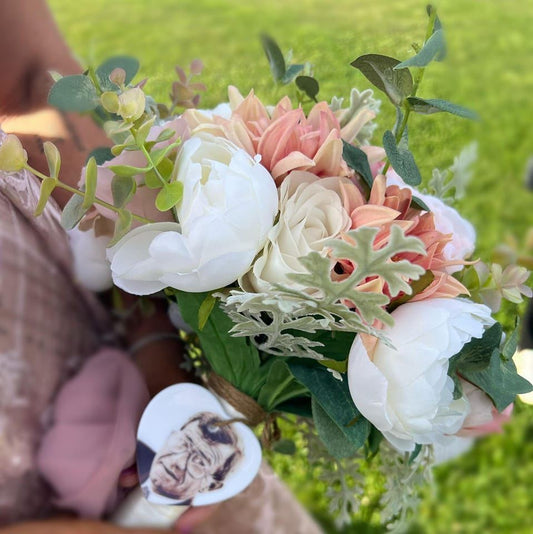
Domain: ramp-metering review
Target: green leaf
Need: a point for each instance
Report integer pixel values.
(417, 287)
(336, 345)
(379, 70)
(357, 160)
(91, 178)
(401, 160)
(165, 135)
(291, 73)
(233, 358)
(374, 440)
(73, 212)
(511, 343)
(53, 158)
(335, 365)
(170, 195)
(129, 64)
(336, 402)
(336, 442)
(143, 131)
(285, 446)
(122, 226)
(418, 203)
(123, 188)
(476, 354)
(298, 406)
(413, 456)
(101, 155)
(427, 106)
(47, 186)
(500, 381)
(74, 93)
(434, 47)
(205, 310)
(158, 154)
(280, 386)
(274, 56)
(309, 86)
(128, 170)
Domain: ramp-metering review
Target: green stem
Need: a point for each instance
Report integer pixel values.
(75, 191)
(151, 162)
(418, 80)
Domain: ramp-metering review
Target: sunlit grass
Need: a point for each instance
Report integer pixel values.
(489, 68)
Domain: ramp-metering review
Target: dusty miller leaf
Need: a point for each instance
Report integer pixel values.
(271, 319)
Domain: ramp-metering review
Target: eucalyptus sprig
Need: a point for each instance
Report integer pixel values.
(395, 79)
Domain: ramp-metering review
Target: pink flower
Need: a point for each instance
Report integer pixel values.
(483, 417)
(286, 138)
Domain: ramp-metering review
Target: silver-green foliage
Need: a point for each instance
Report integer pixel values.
(317, 302)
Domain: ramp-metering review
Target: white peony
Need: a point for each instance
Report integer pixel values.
(91, 267)
(311, 213)
(228, 207)
(405, 391)
(447, 221)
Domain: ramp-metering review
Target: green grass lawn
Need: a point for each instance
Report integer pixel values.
(489, 68)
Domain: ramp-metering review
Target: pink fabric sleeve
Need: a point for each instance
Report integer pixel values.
(93, 435)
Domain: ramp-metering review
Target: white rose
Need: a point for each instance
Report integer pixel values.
(406, 392)
(228, 206)
(447, 221)
(311, 213)
(91, 267)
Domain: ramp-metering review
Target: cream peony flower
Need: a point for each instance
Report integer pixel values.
(447, 221)
(311, 213)
(228, 207)
(406, 392)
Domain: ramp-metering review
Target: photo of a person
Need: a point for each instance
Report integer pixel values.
(195, 458)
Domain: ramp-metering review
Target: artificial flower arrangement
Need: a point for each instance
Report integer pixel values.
(317, 279)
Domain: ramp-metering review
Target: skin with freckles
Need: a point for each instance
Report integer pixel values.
(196, 458)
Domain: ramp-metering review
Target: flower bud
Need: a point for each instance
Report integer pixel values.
(13, 157)
(131, 104)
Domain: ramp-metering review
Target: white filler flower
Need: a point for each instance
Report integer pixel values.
(228, 207)
(447, 221)
(406, 392)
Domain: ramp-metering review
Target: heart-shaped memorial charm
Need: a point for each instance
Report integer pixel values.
(187, 452)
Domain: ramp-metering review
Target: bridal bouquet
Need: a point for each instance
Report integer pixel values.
(319, 282)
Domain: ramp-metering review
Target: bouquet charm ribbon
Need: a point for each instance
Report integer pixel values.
(192, 452)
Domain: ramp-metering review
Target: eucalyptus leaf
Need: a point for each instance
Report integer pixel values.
(53, 158)
(433, 48)
(308, 85)
(47, 186)
(401, 160)
(122, 188)
(170, 195)
(428, 106)
(91, 178)
(357, 160)
(274, 56)
(379, 70)
(159, 153)
(128, 170)
(418, 203)
(334, 398)
(143, 131)
(291, 73)
(122, 226)
(73, 212)
(74, 93)
(129, 64)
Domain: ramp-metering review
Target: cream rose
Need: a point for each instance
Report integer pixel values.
(405, 391)
(228, 207)
(311, 213)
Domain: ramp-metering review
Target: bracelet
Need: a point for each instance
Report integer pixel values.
(152, 338)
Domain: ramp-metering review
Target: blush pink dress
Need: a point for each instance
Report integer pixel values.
(48, 326)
